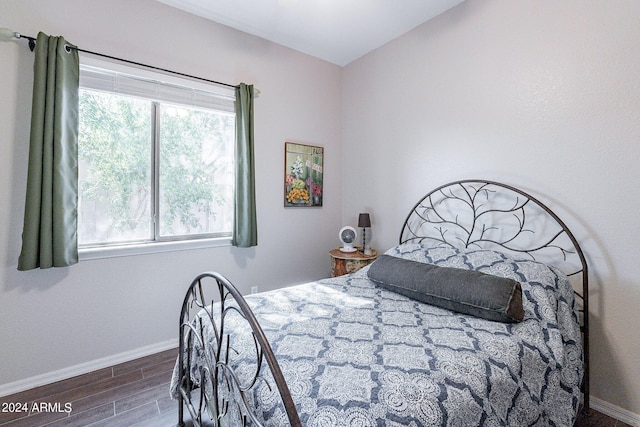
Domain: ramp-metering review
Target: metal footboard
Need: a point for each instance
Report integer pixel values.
(214, 388)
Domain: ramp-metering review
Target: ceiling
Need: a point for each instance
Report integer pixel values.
(338, 31)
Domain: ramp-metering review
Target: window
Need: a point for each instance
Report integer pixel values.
(155, 160)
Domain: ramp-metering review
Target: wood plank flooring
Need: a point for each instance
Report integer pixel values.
(130, 394)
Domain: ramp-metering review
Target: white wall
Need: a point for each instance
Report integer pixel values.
(54, 319)
(541, 94)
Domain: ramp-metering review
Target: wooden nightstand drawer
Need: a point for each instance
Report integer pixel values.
(349, 262)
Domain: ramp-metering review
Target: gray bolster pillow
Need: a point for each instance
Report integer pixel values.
(464, 291)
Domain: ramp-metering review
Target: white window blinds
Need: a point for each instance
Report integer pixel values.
(128, 84)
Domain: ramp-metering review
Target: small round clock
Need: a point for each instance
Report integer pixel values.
(347, 236)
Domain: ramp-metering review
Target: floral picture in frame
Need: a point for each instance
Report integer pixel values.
(303, 175)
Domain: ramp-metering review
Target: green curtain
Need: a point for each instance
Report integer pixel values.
(245, 231)
(49, 237)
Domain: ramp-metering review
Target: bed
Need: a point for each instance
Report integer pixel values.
(400, 342)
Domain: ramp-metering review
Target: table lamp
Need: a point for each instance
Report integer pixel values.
(364, 221)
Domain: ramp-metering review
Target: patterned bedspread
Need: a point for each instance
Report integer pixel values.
(354, 354)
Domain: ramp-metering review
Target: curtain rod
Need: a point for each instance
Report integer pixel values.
(32, 45)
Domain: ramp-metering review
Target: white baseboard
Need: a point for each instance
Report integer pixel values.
(614, 411)
(83, 368)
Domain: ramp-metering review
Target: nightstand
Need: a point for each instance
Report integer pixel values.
(349, 262)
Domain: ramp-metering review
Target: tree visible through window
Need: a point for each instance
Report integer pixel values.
(152, 170)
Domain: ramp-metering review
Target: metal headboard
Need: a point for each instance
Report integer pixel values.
(202, 321)
(490, 215)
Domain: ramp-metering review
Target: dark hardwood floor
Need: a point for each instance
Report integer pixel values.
(130, 394)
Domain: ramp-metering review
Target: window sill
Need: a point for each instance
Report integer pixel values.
(150, 248)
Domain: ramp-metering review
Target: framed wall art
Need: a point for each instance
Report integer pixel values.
(303, 175)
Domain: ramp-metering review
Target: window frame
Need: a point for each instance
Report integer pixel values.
(160, 244)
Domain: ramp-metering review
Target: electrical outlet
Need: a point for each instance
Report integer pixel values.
(254, 289)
